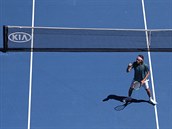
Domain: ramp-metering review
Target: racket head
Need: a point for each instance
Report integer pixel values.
(136, 85)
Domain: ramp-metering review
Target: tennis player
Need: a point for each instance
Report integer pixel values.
(141, 74)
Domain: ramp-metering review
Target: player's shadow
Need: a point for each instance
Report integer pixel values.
(122, 98)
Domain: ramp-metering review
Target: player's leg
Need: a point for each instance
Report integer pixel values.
(148, 91)
(127, 99)
(146, 86)
(130, 91)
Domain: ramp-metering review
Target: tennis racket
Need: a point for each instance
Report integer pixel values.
(136, 85)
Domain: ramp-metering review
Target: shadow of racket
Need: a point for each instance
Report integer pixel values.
(121, 107)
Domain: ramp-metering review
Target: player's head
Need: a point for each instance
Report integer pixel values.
(140, 59)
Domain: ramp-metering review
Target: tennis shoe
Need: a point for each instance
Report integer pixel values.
(152, 101)
(125, 100)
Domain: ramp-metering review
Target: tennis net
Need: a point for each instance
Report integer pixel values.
(59, 39)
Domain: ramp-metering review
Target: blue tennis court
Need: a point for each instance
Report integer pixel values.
(68, 87)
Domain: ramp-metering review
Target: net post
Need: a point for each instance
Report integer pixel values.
(5, 38)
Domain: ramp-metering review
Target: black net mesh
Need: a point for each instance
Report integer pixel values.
(82, 39)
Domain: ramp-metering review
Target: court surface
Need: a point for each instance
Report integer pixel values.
(68, 87)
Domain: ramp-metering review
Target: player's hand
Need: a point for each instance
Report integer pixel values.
(129, 67)
(142, 82)
(130, 64)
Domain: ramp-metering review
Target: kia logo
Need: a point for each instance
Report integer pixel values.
(19, 37)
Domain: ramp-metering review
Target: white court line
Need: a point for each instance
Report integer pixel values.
(31, 67)
(150, 64)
